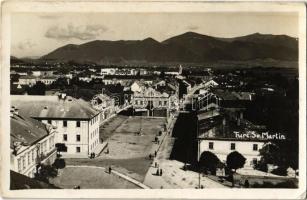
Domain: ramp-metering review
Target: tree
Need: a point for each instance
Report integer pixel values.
(60, 147)
(277, 154)
(162, 74)
(38, 89)
(44, 172)
(208, 161)
(59, 163)
(235, 160)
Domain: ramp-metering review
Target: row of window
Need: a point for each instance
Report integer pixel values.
(232, 146)
(136, 102)
(78, 123)
(94, 120)
(93, 145)
(29, 157)
(94, 133)
(78, 138)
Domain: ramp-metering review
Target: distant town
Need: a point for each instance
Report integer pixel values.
(95, 126)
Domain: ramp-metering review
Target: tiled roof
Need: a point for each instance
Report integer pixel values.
(26, 130)
(19, 181)
(53, 107)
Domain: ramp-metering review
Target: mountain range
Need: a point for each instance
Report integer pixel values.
(189, 47)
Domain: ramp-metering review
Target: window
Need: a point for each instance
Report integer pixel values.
(65, 123)
(136, 102)
(65, 137)
(78, 150)
(254, 162)
(19, 164)
(33, 155)
(141, 102)
(29, 158)
(211, 145)
(23, 162)
(78, 138)
(255, 147)
(232, 146)
(160, 103)
(49, 121)
(165, 103)
(78, 124)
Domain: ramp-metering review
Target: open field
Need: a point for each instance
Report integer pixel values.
(90, 178)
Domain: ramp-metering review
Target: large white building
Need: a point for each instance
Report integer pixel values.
(32, 143)
(76, 121)
(104, 104)
(152, 102)
(219, 135)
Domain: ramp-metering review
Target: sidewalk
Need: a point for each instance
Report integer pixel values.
(174, 177)
(132, 180)
(172, 174)
(99, 148)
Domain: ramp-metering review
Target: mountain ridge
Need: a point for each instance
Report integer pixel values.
(189, 47)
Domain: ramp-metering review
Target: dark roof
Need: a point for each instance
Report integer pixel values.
(26, 130)
(227, 131)
(225, 95)
(19, 181)
(53, 107)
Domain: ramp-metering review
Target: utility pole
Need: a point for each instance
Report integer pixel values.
(198, 141)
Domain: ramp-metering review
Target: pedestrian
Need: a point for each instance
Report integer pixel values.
(246, 184)
(157, 173)
(110, 170)
(155, 164)
(94, 155)
(160, 172)
(155, 153)
(150, 156)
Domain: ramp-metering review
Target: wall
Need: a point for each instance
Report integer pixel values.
(222, 149)
(72, 131)
(26, 157)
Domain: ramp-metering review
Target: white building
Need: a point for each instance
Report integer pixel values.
(108, 71)
(48, 80)
(32, 143)
(217, 136)
(221, 147)
(105, 104)
(76, 121)
(27, 80)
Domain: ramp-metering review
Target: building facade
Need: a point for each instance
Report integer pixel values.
(221, 147)
(32, 144)
(76, 121)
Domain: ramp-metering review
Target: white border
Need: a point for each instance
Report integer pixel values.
(95, 6)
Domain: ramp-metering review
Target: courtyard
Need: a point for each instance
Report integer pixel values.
(90, 178)
(130, 141)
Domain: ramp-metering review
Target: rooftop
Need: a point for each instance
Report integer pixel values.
(53, 107)
(222, 126)
(26, 131)
(19, 181)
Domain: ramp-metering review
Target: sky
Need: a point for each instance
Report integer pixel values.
(36, 34)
